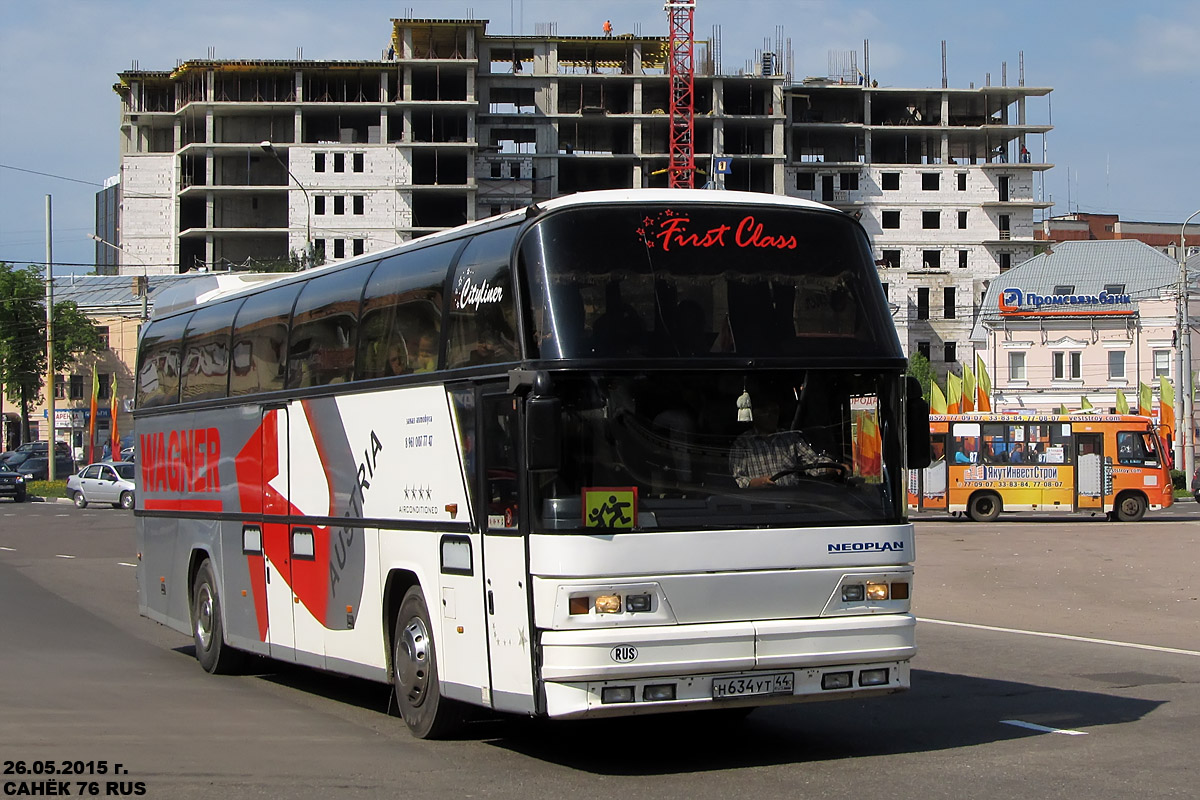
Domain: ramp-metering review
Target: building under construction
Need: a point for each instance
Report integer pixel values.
(240, 164)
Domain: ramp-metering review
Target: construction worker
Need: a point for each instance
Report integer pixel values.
(607, 29)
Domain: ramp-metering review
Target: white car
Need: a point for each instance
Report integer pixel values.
(106, 482)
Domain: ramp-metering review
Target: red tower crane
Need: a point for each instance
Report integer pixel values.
(681, 171)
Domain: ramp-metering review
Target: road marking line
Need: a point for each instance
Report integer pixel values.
(1031, 726)
(9, 549)
(125, 564)
(60, 555)
(1066, 636)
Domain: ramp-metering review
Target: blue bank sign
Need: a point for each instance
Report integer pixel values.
(1016, 301)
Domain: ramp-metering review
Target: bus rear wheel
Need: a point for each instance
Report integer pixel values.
(1130, 508)
(208, 632)
(415, 675)
(984, 507)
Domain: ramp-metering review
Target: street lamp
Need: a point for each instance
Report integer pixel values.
(1183, 404)
(308, 240)
(145, 288)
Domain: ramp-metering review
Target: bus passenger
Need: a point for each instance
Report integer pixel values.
(397, 361)
(426, 360)
(1017, 454)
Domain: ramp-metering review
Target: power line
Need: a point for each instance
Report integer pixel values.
(92, 264)
(51, 175)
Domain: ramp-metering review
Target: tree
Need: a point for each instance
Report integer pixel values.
(920, 368)
(23, 337)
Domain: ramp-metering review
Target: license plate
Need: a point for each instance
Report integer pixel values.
(749, 685)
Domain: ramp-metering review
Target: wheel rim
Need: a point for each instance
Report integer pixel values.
(79, 501)
(412, 661)
(204, 617)
(126, 500)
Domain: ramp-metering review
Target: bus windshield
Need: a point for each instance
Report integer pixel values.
(703, 281)
(716, 449)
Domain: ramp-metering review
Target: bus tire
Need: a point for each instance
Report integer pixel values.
(984, 507)
(1130, 507)
(212, 652)
(415, 674)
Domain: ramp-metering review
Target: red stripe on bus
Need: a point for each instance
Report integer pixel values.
(208, 506)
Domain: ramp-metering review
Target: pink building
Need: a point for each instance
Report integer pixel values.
(1085, 320)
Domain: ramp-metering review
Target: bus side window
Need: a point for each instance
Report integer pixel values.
(1135, 448)
(260, 341)
(482, 307)
(937, 447)
(158, 373)
(205, 371)
(324, 328)
(402, 307)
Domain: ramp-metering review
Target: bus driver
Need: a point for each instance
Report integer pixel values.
(760, 454)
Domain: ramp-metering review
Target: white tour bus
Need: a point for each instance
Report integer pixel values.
(505, 465)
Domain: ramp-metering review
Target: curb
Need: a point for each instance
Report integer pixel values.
(33, 498)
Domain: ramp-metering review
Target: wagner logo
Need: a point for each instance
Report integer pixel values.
(180, 461)
(867, 547)
(1010, 301)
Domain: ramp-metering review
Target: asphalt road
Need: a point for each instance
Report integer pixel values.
(1058, 657)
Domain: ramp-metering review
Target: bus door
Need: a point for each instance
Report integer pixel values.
(276, 532)
(463, 650)
(935, 478)
(505, 558)
(1089, 470)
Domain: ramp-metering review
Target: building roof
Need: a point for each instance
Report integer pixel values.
(118, 293)
(1080, 278)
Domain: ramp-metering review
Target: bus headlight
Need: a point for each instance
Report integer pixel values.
(608, 604)
(616, 694)
(873, 677)
(877, 591)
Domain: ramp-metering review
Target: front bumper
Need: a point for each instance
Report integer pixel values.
(577, 666)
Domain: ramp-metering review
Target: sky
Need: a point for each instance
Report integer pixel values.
(1124, 78)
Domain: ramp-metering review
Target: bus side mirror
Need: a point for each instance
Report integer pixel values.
(543, 426)
(916, 426)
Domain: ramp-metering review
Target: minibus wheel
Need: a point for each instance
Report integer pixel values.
(1130, 507)
(984, 507)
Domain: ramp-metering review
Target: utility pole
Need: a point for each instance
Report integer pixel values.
(1184, 414)
(51, 449)
(309, 255)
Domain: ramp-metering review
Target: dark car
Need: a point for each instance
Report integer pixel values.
(12, 484)
(37, 468)
(1196, 485)
(15, 457)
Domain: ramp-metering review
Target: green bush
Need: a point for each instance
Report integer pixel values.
(47, 488)
(1179, 480)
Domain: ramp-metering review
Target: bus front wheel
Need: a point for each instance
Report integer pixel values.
(208, 632)
(1130, 508)
(415, 674)
(984, 507)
